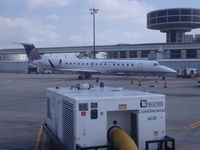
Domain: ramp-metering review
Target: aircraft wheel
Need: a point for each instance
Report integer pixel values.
(80, 77)
(87, 76)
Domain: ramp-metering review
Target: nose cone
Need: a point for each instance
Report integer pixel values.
(165, 69)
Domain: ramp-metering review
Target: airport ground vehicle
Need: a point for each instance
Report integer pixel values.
(47, 71)
(35, 69)
(90, 118)
(32, 69)
(187, 72)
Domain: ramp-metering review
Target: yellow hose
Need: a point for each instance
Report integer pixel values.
(122, 141)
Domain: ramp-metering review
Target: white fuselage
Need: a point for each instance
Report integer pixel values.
(103, 66)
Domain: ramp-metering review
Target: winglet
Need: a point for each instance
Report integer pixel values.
(50, 62)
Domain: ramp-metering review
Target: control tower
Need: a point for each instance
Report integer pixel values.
(174, 22)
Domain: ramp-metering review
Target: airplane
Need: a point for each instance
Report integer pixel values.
(87, 67)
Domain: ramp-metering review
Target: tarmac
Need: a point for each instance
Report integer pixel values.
(23, 105)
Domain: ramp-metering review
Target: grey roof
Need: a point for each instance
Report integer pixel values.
(107, 48)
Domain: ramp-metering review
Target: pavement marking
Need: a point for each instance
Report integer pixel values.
(193, 125)
(39, 142)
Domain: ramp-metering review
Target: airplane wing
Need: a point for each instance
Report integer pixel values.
(79, 70)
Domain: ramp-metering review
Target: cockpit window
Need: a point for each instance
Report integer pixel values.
(155, 64)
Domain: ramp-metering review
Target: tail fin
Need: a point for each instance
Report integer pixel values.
(31, 52)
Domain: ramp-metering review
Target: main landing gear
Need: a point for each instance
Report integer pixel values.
(84, 76)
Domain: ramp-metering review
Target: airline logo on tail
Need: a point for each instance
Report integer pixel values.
(34, 55)
(31, 52)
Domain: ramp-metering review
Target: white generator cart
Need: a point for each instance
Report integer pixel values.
(83, 117)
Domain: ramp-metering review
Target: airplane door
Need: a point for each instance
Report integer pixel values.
(92, 65)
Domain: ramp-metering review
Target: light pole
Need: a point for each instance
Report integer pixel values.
(93, 12)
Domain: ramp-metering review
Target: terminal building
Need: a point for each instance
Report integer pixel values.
(180, 50)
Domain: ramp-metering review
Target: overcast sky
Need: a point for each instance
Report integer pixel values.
(47, 23)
